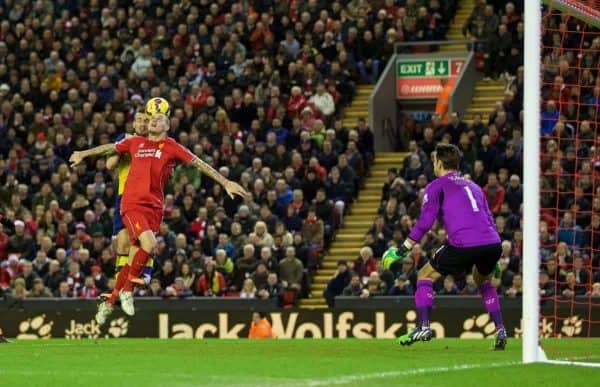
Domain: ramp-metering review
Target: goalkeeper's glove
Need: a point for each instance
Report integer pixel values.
(405, 248)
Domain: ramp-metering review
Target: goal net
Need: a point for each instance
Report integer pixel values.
(569, 182)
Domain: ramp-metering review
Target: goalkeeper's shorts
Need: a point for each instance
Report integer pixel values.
(459, 260)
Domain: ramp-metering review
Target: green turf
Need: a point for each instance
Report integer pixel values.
(150, 362)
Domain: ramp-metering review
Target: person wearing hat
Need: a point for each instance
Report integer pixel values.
(402, 287)
(338, 282)
(20, 243)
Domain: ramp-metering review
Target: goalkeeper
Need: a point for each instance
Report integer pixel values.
(473, 242)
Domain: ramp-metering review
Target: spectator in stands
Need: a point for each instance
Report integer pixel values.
(272, 289)
(365, 264)
(20, 243)
(89, 290)
(449, 288)
(210, 283)
(402, 287)
(595, 292)
(354, 288)
(313, 230)
(494, 193)
(178, 289)
(291, 270)
(244, 266)
(569, 232)
(19, 290)
(547, 286)
(471, 287)
(248, 289)
(516, 288)
(39, 290)
(337, 283)
(28, 275)
(166, 275)
(571, 288)
(374, 286)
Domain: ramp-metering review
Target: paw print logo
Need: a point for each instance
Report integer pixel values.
(118, 328)
(478, 327)
(35, 328)
(546, 329)
(572, 326)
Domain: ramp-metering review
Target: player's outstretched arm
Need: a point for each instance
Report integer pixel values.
(112, 162)
(102, 150)
(231, 187)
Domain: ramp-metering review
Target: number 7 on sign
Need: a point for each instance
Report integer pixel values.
(472, 199)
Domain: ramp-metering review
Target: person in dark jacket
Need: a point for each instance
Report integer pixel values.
(354, 288)
(337, 283)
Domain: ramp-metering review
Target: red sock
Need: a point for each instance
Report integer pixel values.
(139, 262)
(121, 281)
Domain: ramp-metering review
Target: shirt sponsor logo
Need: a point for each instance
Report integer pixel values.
(143, 153)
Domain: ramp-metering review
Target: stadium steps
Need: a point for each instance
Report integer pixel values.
(455, 30)
(487, 93)
(349, 239)
(359, 107)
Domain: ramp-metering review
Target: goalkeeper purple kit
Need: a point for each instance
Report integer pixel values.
(460, 205)
(473, 240)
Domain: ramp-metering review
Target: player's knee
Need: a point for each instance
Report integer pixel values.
(122, 242)
(147, 242)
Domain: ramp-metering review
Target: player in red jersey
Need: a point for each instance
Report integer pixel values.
(152, 162)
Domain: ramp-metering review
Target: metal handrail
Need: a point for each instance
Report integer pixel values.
(433, 43)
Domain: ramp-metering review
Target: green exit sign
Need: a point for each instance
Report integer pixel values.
(425, 68)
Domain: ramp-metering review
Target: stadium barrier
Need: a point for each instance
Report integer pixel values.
(380, 317)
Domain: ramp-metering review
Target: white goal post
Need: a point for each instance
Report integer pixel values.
(531, 181)
(532, 351)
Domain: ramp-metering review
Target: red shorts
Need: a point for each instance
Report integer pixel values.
(140, 219)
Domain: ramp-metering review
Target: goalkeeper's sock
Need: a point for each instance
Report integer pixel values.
(492, 305)
(121, 280)
(139, 262)
(424, 301)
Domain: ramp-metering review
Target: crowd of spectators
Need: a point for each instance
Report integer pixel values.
(493, 149)
(256, 89)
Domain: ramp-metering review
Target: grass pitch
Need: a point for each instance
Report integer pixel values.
(150, 362)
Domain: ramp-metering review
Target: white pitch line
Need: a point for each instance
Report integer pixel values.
(575, 363)
(390, 374)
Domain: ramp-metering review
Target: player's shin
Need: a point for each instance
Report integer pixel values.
(119, 284)
(137, 266)
(424, 301)
(491, 302)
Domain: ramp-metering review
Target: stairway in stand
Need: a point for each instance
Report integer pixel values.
(349, 239)
(359, 107)
(465, 8)
(487, 93)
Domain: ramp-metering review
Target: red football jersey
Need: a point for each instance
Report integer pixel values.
(152, 163)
